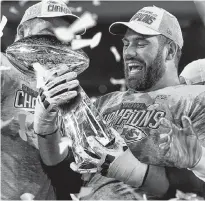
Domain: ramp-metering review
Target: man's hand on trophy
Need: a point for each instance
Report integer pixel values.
(116, 160)
(59, 88)
(181, 145)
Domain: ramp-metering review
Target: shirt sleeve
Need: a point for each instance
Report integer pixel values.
(63, 179)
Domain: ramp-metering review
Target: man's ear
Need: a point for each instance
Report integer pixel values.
(20, 32)
(171, 50)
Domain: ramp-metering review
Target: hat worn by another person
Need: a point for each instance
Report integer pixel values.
(194, 72)
(48, 9)
(151, 21)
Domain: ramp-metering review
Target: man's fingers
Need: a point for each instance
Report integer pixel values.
(59, 100)
(62, 88)
(85, 156)
(119, 141)
(186, 122)
(164, 146)
(165, 138)
(55, 79)
(96, 146)
(187, 126)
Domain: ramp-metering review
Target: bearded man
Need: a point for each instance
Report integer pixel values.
(158, 125)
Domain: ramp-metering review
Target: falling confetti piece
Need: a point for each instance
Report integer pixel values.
(77, 44)
(27, 196)
(144, 197)
(66, 1)
(13, 10)
(64, 34)
(22, 2)
(5, 68)
(67, 34)
(116, 54)
(76, 10)
(6, 123)
(74, 197)
(119, 82)
(86, 21)
(85, 191)
(96, 2)
(96, 40)
(78, 37)
(64, 144)
(2, 25)
(93, 99)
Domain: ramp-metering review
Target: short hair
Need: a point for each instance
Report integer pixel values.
(164, 40)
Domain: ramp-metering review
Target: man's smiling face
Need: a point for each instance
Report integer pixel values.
(143, 60)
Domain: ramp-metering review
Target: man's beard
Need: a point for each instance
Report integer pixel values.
(153, 74)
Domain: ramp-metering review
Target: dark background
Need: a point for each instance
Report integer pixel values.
(96, 79)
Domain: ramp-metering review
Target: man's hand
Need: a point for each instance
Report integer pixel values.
(181, 145)
(115, 160)
(57, 90)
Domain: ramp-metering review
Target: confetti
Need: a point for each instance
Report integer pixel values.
(78, 37)
(116, 54)
(2, 25)
(77, 44)
(119, 82)
(22, 2)
(95, 16)
(65, 1)
(76, 10)
(85, 191)
(64, 34)
(5, 68)
(74, 197)
(96, 2)
(27, 196)
(84, 22)
(93, 99)
(65, 142)
(13, 10)
(144, 197)
(6, 123)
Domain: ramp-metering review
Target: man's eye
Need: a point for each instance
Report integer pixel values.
(125, 44)
(141, 43)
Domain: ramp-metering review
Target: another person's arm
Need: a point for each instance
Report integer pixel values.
(56, 164)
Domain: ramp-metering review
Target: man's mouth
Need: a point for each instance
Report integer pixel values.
(134, 67)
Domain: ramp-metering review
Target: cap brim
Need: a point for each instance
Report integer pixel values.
(120, 28)
(70, 17)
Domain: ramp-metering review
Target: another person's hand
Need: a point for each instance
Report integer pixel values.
(181, 145)
(59, 89)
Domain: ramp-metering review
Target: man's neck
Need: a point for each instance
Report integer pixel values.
(168, 80)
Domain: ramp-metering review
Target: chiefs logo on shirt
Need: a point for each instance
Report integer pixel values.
(131, 134)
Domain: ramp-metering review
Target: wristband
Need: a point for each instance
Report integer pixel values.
(128, 169)
(44, 136)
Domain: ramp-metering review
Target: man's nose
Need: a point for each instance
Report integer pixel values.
(130, 52)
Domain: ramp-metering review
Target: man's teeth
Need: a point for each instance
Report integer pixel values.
(134, 66)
